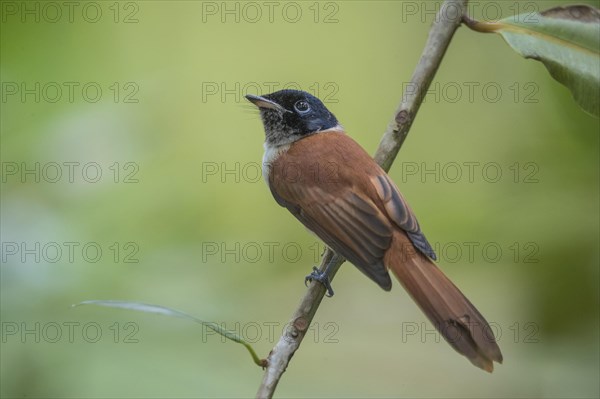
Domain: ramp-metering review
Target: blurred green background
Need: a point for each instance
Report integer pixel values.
(182, 218)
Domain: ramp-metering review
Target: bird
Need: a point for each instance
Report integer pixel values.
(336, 190)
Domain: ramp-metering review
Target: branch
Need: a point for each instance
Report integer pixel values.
(446, 22)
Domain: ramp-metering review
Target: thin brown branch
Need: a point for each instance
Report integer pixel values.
(448, 19)
(481, 26)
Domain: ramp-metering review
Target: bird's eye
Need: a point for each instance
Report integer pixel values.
(302, 106)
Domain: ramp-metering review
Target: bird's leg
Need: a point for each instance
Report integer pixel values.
(323, 277)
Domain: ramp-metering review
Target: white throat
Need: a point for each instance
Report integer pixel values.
(270, 156)
(273, 152)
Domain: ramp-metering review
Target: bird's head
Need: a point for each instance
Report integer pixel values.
(290, 115)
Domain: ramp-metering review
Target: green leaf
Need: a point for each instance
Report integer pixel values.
(565, 39)
(157, 309)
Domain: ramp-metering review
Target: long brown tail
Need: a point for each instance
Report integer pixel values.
(459, 322)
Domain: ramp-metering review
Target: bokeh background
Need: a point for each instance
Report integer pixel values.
(501, 167)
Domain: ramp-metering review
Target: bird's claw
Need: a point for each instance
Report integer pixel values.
(322, 278)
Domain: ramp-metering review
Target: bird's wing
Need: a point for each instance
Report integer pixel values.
(399, 211)
(348, 222)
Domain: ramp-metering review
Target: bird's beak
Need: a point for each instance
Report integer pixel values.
(262, 102)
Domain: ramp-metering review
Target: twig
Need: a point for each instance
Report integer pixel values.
(481, 26)
(447, 21)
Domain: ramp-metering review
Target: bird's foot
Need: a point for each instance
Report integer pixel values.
(321, 277)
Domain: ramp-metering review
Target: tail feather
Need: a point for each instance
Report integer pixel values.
(452, 314)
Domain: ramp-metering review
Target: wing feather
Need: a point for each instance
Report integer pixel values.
(351, 225)
(399, 211)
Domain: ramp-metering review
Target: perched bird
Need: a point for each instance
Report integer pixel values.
(331, 185)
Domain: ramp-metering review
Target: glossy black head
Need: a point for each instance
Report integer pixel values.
(289, 115)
